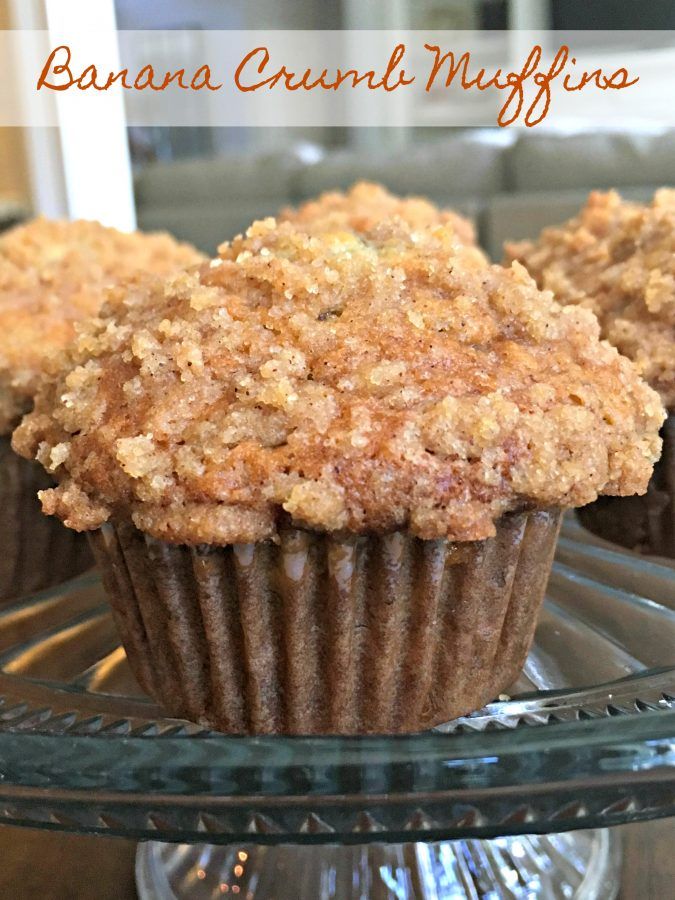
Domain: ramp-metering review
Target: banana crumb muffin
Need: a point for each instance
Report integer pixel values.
(326, 472)
(355, 383)
(617, 258)
(365, 205)
(52, 275)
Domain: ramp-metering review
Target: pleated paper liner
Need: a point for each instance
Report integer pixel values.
(320, 634)
(37, 550)
(645, 523)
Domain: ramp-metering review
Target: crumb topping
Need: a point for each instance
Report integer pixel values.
(364, 382)
(54, 273)
(365, 205)
(617, 259)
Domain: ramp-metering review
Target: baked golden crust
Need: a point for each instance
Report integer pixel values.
(54, 273)
(365, 205)
(618, 259)
(344, 382)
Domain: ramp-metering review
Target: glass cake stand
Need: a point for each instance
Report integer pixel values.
(489, 805)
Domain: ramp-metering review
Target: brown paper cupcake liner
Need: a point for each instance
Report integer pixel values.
(646, 523)
(37, 550)
(320, 634)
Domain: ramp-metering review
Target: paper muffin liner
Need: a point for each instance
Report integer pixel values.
(320, 634)
(37, 550)
(646, 523)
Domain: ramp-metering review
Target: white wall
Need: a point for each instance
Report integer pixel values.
(216, 14)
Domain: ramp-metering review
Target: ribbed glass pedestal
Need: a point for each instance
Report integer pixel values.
(579, 865)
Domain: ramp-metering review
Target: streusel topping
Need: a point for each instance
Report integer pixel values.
(365, 205)
(340, 381)
(54, 273)
(618, 259)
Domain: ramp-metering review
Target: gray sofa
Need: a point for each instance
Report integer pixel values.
(511, 183)
(11, 213)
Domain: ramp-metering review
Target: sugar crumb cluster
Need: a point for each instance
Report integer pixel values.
(365, 205)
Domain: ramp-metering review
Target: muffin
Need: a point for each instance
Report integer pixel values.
(618, 259)
(365, 205)
(52, 274)
(324, 473)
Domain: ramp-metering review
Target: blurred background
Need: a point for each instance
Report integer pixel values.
(206, 184)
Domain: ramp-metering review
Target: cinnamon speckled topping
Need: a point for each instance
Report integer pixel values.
(618, 259)
(54, 273)
(342, 382)
(365, 205)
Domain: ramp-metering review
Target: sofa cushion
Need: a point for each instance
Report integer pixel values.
(603, 159)
(464, 165)
(208, 225)
(242, 177)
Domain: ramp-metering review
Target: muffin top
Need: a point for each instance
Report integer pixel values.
(618, 259)
(340, 382)
(53, 273)
(366, 205)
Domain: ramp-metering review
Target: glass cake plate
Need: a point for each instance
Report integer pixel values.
(480, 807)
